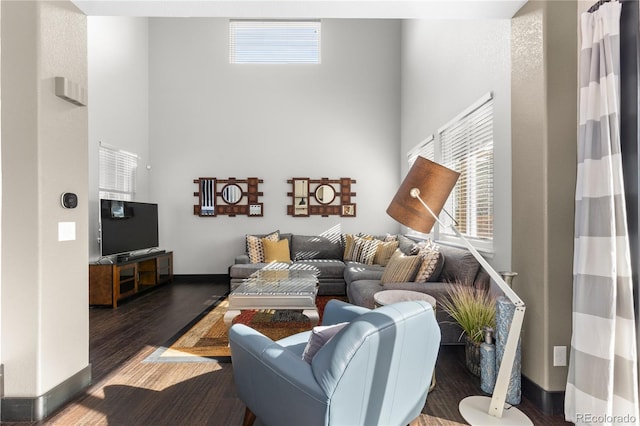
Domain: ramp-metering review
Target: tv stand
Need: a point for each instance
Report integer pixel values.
(130, 257)
(111, 283)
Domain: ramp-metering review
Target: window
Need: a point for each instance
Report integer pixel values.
(274, 42)
(466, 146)
(117, 179)
(425, 149)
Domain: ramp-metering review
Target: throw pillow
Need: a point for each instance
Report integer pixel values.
(349, 246)
(255, 249)
(364, 250)
(407, 245)
(430, 254)
(276, 251)
(319, 337)
(401, 268)
(384, 252)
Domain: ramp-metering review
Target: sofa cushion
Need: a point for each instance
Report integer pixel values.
(244, 270)
(314, 247)
(401, 268)
(355, 271)
(361, 292)
(328, 268)
(459, 265)
(276, 251)
(255, 248)
(407, 245)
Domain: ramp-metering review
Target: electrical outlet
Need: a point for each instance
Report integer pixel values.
(559, 356)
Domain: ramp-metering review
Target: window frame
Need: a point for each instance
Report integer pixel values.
(282, 35)
(119, 182)
(432, 149)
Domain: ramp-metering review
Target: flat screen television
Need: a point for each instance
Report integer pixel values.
(127, 226)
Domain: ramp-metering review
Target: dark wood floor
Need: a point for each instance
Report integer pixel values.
(126, 391)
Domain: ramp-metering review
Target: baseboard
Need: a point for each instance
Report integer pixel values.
(201, 278)
(549, 402)
(34, 409)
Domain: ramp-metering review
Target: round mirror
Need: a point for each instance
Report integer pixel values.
(231, 193)
(325, 194)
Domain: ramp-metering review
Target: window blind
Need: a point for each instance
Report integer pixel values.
(467, 146)
(425, 149)
(274, 42)
(117, 170)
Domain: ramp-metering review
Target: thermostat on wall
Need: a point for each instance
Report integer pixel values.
(69, 200)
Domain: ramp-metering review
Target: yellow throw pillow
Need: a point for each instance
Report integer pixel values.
(276, 251)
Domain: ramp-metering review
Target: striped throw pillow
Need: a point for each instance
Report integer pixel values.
(384, 252)
(401, 268)
(350, 249)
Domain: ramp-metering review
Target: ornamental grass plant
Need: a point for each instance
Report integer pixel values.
(473, 309)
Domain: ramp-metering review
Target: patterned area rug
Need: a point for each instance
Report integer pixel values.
(205, 338)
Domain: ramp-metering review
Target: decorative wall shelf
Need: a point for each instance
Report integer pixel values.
(229, 197)
(322, 197)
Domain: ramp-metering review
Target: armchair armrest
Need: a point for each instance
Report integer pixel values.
(338, 311)
(252, 353)
(241, 259)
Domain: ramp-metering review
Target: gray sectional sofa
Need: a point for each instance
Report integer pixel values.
(359, 282)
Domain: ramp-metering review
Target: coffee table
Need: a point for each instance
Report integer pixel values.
(276, 289)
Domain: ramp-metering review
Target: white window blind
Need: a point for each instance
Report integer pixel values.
(425, 149)
(274, 42)
(117, 171)
(466, 146)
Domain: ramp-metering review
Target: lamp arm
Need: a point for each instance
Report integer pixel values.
(506, 366)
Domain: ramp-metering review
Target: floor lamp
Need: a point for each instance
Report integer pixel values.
(427, 187)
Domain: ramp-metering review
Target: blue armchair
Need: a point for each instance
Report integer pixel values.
(375, 371)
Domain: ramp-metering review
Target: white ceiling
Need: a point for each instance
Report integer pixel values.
(297, 9)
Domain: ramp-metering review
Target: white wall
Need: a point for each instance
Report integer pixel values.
(119, 101)
(447, 66)
(210, 118)
(45, 322)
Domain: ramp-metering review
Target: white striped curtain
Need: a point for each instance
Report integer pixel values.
(602, 385)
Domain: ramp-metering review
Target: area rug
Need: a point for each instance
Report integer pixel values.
(205, 338)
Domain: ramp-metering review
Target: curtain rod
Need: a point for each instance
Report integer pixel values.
(597, 5)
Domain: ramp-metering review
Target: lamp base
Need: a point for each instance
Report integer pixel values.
(475, 410)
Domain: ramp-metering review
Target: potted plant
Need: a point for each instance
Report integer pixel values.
(473, 310)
